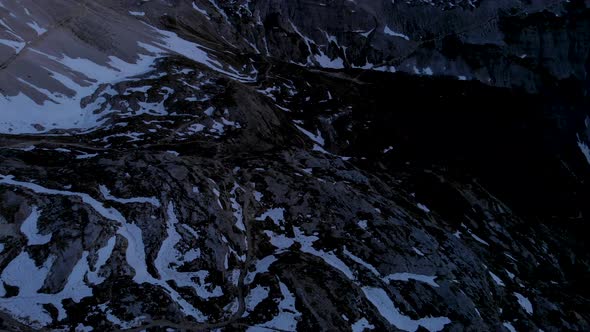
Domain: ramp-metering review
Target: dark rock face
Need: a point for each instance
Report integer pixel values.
(312, 197)
(502, 43)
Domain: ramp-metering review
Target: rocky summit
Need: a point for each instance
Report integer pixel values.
(285, 165)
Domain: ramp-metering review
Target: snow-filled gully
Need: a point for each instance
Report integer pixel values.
(377, 296)
(29, 303)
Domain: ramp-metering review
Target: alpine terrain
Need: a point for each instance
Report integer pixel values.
(285, 165)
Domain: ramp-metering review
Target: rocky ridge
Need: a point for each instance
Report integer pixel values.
(282, 196)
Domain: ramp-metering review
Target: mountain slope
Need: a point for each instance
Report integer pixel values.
(224, 165)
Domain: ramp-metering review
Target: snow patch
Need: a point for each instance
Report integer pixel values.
(379, 298)
(404, 276)
(524, 303)
(141, 200)
(30, 230)
(288, 316)
(276, 214)
(584, 149)
(497, 279)
(390, 32)
(362, 325)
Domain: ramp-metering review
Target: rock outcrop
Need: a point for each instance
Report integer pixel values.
(295, 165)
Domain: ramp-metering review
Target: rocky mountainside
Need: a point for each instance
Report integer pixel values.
(267, 165)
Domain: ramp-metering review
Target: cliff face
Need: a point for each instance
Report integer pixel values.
(502, 43)
(292, 165)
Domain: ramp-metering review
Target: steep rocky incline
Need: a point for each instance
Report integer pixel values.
(503, 43)
(180, 165)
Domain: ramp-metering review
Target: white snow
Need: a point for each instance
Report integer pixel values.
(524, 303)
(103, 255)
(379, 298)
(86, 156)
(362, 224)
(288, 316)
(320, 149)
(117, 321)
(330, 258)
(30, 230)
(256, 295)
(423, 207)
(135, 253)
(262, 266)
(308, 41)
(423, 71)
(219, 10)
(171, 42)
(135, 256)
(16, 45)
(258, 196)
(497, 279)
(418, 252)
(510, 256)
(584, 149)
(361, 262)
(326, 62)
(38, 29)
(20, 113)
(404, 276)
(510, 274)
(477, 238)
(28, 304)
(362, 325)
(169, 258)
(142, 89)
(218, 195)
(106, 193)
(22, 272)
(174, 153)
(238, 213)
(202, 11)
(365, 33)
(83, 328)
(390, 32)
(509, 326)
(282, 242)
(316, 138)
(195, 128)
(108, 213)
(277, 215)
